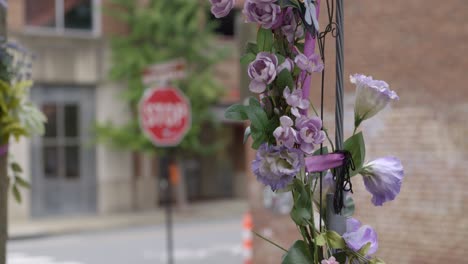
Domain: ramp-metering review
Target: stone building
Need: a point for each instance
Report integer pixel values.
(69, 174)
(419, 48)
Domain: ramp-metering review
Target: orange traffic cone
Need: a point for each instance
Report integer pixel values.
(247, 243)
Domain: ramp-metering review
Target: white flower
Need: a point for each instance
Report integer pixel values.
(371, 97)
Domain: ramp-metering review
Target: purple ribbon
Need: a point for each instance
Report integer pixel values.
(3, 149)
(324, 162)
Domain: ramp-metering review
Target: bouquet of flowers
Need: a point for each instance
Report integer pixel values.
(289, 136)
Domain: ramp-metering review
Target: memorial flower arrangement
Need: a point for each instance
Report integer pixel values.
(290, 139)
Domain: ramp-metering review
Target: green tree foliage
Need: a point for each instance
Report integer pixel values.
(159, 31)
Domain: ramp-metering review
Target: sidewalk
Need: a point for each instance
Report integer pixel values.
(58, 226)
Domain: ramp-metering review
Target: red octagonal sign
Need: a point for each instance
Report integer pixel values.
(165, 115)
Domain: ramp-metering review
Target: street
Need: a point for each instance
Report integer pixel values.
(207, 242)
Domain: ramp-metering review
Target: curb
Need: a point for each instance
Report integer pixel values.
(101, 223)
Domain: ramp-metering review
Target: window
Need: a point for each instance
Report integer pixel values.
(63, 16)
(61, 143)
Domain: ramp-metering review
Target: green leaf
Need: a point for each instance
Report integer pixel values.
(335, 240)
(246, 134)
(16, 193)
(16, 167)
(324, 151)
(251, 48)
(284, 80)
(236, 112)
(300, 216)
(356, 146)
(247, 58)
(363, 251)
(301, 212)
(21, 182)
(256, 144)
(281, 58)
(264, 39)
(257, 116)
(376, 261)
(320, 240)
(298, 254)
(254, 102)
(288, 3)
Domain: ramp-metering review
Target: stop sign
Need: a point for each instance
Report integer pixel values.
(165, 115)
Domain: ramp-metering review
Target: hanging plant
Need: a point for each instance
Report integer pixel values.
(18, 116)
(291, 155)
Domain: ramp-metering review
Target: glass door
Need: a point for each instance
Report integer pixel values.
(63, 166)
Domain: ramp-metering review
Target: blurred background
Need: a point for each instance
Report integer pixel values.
(95, 180)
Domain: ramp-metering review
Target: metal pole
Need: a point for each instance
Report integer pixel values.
(337, 222)
(3, 160)
(167, 188)
(339, 75)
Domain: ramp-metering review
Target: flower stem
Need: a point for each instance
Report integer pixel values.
(269, 241)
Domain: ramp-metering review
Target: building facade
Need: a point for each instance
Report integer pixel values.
(69, 173)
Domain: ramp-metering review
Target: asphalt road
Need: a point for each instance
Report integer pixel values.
(208, 242)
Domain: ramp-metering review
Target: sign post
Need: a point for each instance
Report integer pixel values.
(165, 118)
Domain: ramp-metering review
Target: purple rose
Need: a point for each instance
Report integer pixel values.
(221, 8)
(309, 64)
(371, 97)
(276, 166)
(358, 236)
(289, 27)
(383, 178)
(265, 12)
(262, 71)
(310, 133)
(285, 134)
(295, 100)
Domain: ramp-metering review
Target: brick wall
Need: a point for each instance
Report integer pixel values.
(419, 47)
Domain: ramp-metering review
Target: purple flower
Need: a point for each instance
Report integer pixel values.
(295, 100)
(352, 225)
(310, 133)
(285, 134)
(265, 12)
(221, 8)
(371, 97)
(359, 236)
(276, 166)
(290, 28)
(262, 71)
(4, 3)
(288, 64)
(309, 64)
(382, 178)
(331, 260)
